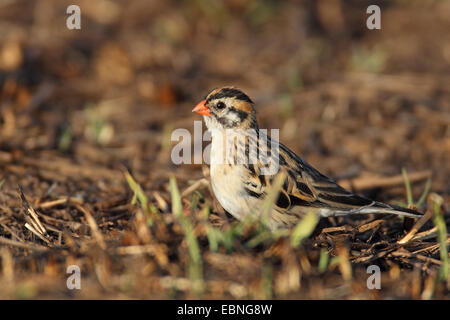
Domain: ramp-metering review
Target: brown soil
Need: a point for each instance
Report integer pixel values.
(80, 108)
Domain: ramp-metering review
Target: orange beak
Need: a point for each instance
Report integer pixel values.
(202, 109)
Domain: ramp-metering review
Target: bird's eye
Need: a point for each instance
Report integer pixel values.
(220, 105)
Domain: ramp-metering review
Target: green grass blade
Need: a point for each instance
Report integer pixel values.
(195, 263)
(213, 238)
(438, 220)
(424, 194)
(323, 261)
(230, 235)
(141, 197)
(177, 207)
(408, 187)
(267, 281)
(214, 235)
(272, 196)
(65, 140)
(334, 261)
(258, 239)
(194, 202)
(304, 229)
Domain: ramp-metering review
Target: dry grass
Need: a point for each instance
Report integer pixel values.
(85, 124)
(186, 251)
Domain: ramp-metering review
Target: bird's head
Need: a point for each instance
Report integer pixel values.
(227, 108)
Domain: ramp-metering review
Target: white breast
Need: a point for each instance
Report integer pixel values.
(228, 182)
(227, 187)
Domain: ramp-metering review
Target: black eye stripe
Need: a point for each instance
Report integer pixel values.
(227, 122)
(242, 115)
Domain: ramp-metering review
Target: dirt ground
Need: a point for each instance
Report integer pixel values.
(86, 118)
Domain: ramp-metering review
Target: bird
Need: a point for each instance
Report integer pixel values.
(241, 186)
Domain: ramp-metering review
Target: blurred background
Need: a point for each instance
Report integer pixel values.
(76, 106)
(345, 97)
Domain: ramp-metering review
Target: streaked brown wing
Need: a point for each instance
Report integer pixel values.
(305, 186)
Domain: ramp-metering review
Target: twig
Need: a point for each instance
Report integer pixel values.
(36, 223)
(197, 185)
(336, 229)
(25, 245)
(162, 204)
(93, 225)
(4, 226)
(158, 251)
(427, 216)
(54, 203)
(364, 183)
(406, 254)
(428, 234)
(35, 232)
(33, 223)
(369, 226)
(432, 247)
